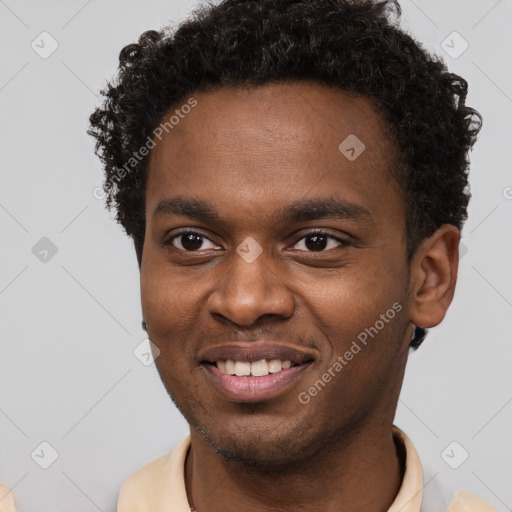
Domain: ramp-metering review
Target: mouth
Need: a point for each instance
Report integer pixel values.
(256, 371)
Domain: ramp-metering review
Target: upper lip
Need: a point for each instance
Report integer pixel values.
(256, 351)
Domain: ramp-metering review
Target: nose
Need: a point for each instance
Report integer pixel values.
(248, 291)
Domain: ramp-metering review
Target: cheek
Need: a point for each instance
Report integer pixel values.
(360, 316)
(169, 306)
(353, 298)
(170, 310)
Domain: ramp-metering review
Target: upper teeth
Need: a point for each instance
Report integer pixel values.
(256, 369)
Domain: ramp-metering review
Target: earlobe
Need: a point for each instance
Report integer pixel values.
(434, 269)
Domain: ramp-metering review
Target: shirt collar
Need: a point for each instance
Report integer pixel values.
(410, 494)
(161, 484)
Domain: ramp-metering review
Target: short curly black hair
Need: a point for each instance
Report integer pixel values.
(353, 45)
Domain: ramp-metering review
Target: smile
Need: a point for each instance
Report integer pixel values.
(251, 372)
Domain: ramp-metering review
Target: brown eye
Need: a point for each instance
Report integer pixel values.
(190, 242)
(319, 242)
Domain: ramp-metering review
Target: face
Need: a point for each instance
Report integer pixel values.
(274, 253)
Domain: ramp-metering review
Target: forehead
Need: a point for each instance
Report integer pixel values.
(289, 139)
(300, 110)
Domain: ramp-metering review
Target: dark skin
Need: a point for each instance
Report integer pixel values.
(249, 154)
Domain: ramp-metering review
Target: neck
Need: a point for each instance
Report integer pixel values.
(361, 472)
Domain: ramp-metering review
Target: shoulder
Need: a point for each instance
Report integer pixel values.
(156, 484)
(467, 501)
(7, 502)
(421, 491)
(142, 481)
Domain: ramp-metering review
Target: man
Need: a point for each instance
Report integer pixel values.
(294, 176)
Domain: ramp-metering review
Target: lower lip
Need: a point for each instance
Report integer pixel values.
(254, 389)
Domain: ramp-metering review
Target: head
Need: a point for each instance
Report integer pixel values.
(330, 149)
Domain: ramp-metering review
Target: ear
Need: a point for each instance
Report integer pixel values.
(434, 269)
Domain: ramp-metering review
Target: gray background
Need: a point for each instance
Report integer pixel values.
(70, 323)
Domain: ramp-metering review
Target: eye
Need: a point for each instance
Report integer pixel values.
(190, 242)
(319, 242)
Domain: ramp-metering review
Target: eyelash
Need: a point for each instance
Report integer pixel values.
(342, 242)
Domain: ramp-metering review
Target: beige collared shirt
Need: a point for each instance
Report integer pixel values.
(160, 486)
(7, 503)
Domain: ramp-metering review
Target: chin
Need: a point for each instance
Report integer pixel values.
(252, 434)
(254, 445)
(256, 451)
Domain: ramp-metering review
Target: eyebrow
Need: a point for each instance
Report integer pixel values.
(298, 211)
